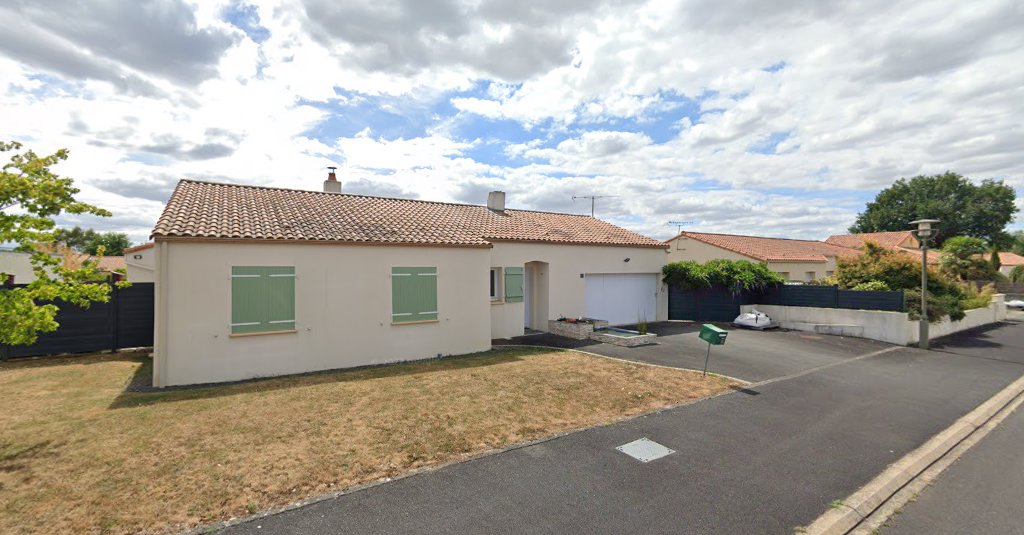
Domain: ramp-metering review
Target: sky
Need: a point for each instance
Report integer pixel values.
(777, 118)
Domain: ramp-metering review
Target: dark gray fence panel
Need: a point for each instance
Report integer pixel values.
(682, 304)
(871, 300)
(125, 321)
(810, 296)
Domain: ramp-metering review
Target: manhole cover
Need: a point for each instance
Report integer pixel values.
(645, 450)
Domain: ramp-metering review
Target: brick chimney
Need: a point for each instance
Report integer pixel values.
(331, 185)
(496, 201)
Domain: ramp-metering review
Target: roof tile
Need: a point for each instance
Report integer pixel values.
(228, 211)
(773, 249)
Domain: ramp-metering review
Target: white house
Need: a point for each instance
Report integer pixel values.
(140, 262)
(257, 281)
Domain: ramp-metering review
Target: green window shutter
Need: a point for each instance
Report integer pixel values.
(413, 294)
(262, 299)
(513, 284)
(280, 294)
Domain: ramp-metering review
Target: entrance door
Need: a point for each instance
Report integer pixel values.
(527, 297)
(622, 298)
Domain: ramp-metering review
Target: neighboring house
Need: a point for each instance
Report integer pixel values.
(16, 264)
(257, 281)
(901, 240)
(141, 263)
(1008, 261)
(794, 260)
(19, 264)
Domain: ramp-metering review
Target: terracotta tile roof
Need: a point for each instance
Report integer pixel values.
(885, 239)
(137, 248)
(208, 210)
(772, 249)
(1011, 259)
(103, 263)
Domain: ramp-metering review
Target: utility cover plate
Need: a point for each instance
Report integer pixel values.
(645, 450)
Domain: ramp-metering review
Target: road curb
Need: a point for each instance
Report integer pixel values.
(859, 505)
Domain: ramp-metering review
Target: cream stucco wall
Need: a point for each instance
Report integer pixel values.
(561, 276)
(683, 248)
(343, 309)
(141, 265)
(17, 264)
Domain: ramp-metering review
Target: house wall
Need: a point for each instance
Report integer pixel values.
(343, 309)
(566, 290)
(690, 249)
(141, 265)
(17, 264)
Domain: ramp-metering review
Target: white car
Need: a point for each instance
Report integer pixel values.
(1016, 303)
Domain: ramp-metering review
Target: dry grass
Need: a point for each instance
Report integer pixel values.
(78, 454)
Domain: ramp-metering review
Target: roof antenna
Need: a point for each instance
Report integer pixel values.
(679, 225)
(592, 198)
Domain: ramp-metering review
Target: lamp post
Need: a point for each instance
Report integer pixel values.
(923, 233)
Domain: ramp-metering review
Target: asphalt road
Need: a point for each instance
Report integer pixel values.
(764, 461)
(982, 492)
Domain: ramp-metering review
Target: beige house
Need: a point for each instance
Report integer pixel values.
(256, 281)
(140, 262)
(900, 240)
(19, 265)
(794, 260)
(1008, 261)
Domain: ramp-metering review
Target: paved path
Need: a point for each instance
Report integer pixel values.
(764, 461)
(982, 492)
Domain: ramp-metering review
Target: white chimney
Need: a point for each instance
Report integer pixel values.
(496, 201)
(331, 185)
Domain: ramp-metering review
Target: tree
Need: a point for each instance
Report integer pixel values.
(113, 244)
(1016, 244)
(76, 238)
(1017, 274)
(31, 195)
(963, 257)
(994, 260)
(965, 209)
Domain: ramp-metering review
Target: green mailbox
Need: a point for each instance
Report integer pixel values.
(713, 335)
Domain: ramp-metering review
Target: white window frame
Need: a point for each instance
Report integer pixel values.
(496, 282)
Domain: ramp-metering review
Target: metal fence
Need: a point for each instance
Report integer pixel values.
(723, 304)
(124, 321)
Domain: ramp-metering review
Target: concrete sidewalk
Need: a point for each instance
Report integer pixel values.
(764, 461)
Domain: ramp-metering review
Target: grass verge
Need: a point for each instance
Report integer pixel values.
(79, 454)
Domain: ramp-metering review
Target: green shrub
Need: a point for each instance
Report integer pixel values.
(963, 258)
(1017, 274)
(872, 286)
(726, 273)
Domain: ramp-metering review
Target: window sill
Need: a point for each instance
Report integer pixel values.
(497, 301)
(396, 323)
(243, 335)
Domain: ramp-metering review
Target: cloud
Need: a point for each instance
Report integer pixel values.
(88, 41)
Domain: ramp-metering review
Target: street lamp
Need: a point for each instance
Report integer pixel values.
(923, 233)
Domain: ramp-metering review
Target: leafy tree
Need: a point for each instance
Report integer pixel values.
(1016, 244)
(31, 195)
(76, 238)
(113, 243)
(897, 270)
(965, 209)
(993, 260)
(963, 258)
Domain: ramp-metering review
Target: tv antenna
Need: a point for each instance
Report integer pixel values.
(679, 225)
(593, 200)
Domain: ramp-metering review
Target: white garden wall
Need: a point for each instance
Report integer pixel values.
(892, 327)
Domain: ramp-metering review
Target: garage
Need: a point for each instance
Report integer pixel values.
(622, 298)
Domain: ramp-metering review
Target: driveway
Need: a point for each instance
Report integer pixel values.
(762, 460)
(749, 355)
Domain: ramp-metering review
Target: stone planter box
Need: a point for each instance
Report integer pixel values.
(576, 331)
(624, 341)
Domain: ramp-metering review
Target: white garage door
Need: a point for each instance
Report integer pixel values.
(622, 297)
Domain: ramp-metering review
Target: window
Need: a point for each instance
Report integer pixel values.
(262, 299)
(784, 275)
(829, 273)
(809, 276)
(513, 284)
(413, 294)
(495, 284)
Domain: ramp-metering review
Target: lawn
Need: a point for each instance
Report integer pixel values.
(79, 454)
